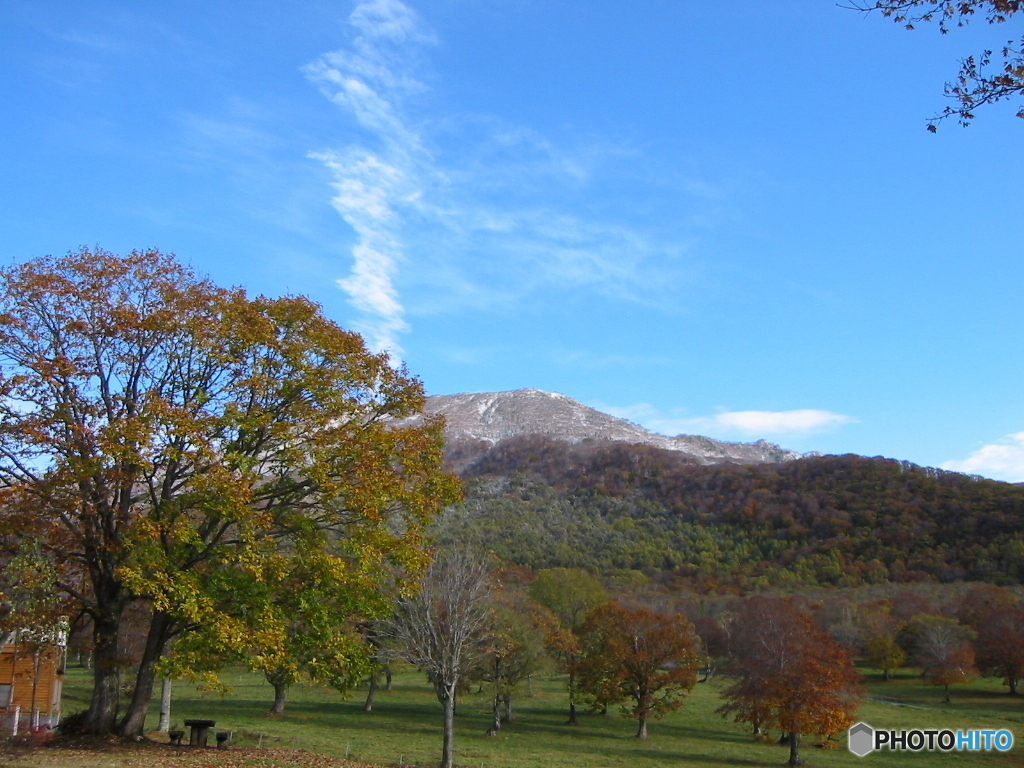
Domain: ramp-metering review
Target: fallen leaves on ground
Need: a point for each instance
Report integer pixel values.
(106, 754)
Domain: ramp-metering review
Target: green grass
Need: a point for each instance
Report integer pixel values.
(405, 728)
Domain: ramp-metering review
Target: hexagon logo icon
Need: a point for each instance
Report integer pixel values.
(861, 739)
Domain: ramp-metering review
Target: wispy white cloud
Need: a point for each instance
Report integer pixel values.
(800, 421)
(1001, 460)
(365, 188)
(795, 423)
(460, 205)
(387, 19)
(638, 412)
(373, 185)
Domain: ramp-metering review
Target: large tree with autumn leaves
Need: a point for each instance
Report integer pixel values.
(169, 441)
(789, 674)
(639, 656)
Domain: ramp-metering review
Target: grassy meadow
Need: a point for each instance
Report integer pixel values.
(405, 728)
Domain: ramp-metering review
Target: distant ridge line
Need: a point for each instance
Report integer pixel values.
(491, 417)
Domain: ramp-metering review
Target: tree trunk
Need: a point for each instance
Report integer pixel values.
(448, 749)
(14, 680)
(642, 730)
(387, 678)
(508, 708)
(165, 706)
(495, 713)
(643, 708)
(280, 695)
(573, 720)
(280, 679)
(1012, 682)
(885, 674)
(37, 661)
(946, 700)
(133, 724)
(101, 716)
(371, 695)
(794, 748)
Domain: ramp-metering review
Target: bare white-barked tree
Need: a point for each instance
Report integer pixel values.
(442, 629)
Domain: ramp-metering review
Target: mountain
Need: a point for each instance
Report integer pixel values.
(839, 520)
(491, 417)
(553, 483)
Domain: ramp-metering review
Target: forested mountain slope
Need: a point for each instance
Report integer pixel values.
(820, 520)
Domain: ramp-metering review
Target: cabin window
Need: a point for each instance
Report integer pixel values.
(5, 695)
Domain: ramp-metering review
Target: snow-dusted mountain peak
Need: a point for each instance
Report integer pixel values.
(495, 416)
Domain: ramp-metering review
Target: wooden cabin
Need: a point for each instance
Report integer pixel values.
(31, 680)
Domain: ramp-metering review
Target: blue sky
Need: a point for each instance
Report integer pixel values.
(713, 218)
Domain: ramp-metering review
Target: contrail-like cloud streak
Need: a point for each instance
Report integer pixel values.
(373, 184)
(465, 207)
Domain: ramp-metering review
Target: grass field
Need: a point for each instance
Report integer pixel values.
(405, 728)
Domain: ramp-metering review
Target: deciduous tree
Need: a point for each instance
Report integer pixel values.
(442, 630)
(514, 650)
(32, 615)
(644, 657)
(308, 626)
(790, 674)
(570, 594)
(984, 78)
(885, 653)
(1000, 646)
(996, 617)
(29, 595)
(162, 438)
(714, 637)
(880, 627)
(942, 648)
(380, 663)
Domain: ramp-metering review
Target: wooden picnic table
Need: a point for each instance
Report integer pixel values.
(200, 732)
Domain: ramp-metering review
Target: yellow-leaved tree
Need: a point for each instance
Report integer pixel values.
(169, 441)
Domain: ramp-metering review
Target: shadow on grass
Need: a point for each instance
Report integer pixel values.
(627, 750)
(697, 757)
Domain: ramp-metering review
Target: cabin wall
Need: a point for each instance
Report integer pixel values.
(30, 679)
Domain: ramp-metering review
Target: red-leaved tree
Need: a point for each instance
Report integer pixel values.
(639, 656)
(995, 615)
(790, 674)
